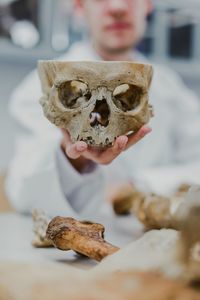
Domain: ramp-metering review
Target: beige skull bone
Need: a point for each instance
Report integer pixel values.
(96, 101)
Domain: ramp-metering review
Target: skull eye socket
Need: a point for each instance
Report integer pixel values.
(73, 93)
(127, 97)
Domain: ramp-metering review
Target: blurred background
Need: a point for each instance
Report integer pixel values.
(33, 29)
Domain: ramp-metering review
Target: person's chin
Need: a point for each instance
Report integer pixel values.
(120, 45)
(120, 40)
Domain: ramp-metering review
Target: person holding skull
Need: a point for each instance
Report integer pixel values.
(62, 177)
(96, 102)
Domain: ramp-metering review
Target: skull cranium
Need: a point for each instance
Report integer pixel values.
(96, 101)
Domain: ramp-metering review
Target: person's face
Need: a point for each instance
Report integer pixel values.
(115, 24)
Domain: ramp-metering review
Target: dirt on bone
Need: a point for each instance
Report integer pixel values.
(83, 237)
(109, 100)
(153, 210)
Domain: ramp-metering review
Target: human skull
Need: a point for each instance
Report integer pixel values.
(96, 101)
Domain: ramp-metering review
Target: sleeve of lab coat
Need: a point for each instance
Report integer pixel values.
(185, 135)
(33, 181)
(33, 178)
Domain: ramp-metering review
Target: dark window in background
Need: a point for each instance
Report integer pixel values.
(180, 41)
(25, 10)
(180, 36)
(19, 22)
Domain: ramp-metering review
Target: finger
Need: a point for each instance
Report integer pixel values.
(141, 133)
(74, 151)
(121, 142)
(111, 153)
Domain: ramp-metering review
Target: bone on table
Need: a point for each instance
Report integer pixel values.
(153, 210)
(83, 237)
(40, 224)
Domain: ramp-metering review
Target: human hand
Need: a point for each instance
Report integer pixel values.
(80, 150)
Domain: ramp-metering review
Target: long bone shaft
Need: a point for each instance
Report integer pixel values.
(83, 237)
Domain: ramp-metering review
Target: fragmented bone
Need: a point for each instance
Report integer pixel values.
(154, 211)
(188, 216)
(40, 224)
(166, 251)
(190, 231)
(182, 189)
(83, 237)
(124, 198)
(96, 101)
(134, 272)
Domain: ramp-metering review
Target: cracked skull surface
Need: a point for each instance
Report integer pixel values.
(96, 101)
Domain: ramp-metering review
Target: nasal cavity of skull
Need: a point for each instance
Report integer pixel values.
(127, 96)
(100, 114)
(73, 93)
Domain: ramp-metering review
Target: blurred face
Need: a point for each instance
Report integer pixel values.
(115, 25)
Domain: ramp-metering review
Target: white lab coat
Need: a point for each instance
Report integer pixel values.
(40, 177)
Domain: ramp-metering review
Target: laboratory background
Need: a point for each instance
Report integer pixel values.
(45, 29)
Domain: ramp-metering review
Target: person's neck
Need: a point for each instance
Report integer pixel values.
(104, 54)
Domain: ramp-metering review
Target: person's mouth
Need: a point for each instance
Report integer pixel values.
(118, 26)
